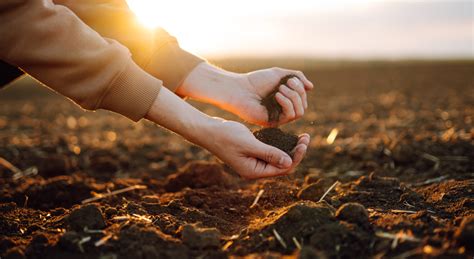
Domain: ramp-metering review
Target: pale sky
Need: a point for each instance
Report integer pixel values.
(317, 28)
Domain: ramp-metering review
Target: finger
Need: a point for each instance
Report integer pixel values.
(296, 85)
(272, 155)
(287, 107)
(263, 170)
(295, 100)
(299, 152)
(307, 84)
(304, 139)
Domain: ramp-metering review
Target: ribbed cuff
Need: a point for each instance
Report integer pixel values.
(132, 93)
(171, 64)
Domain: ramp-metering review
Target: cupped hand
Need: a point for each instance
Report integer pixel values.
(258, 84)
(235, 145)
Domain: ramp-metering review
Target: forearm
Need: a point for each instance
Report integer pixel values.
(174, 114)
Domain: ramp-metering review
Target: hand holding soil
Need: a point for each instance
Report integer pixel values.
(242, 94)
(234, 144)
(274, 136)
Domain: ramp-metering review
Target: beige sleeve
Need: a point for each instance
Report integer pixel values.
(53, 45)
(155, 50)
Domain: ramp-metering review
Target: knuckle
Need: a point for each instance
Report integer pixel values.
(294, 95)
(269, 156)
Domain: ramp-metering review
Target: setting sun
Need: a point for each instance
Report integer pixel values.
(356, 28)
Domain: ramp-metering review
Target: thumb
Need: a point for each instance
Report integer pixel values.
(273, 156)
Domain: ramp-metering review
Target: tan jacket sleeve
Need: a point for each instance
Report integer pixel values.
(156, 51)
(53, 45)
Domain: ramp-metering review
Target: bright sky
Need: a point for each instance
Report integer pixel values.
(317, 28)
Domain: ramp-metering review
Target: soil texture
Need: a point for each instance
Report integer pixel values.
(389, 173)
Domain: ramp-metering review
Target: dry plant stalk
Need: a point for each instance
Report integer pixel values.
(332, 136)
(279, 238)
(404, 211)
(105, 195)
(297, 243)
(257, 198)
(400, 236)
(227, 245)
(330, 189)
(17, 173)
(132, 217)
(430, 181)
(103, 240)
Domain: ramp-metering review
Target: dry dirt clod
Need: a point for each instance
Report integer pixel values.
(70, 240)
(200, 174)
(196, 237)
(273, 107)
(88, 216)
(277, 138)
(353, 212)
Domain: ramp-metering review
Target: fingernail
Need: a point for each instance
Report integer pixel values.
(285, 161)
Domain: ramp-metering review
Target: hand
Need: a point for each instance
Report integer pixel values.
(232, 142)
(291, 96)
(241, 94)
(235, 145)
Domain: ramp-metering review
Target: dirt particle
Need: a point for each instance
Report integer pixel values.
(273, 107)
(196, 237)
(277, 138)
(353, 212)
(88, 216)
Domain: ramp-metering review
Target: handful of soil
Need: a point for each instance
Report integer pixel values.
(275, 136)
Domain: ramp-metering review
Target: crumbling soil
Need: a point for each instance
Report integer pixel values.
(402, 155)
(277, 138)
(273, 107)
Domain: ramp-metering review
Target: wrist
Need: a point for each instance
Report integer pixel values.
(174, 114)
(211, 84)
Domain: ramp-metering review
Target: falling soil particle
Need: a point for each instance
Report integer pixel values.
(273, 107)
(277, 138)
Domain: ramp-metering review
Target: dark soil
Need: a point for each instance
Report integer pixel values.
(277, 138)
(403, 156)
(273, 107)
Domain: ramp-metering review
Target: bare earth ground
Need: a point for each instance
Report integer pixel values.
(396, 139)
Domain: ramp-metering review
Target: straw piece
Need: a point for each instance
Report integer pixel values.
(257, 198)
(279, 238)
(105, 195)
(330, 189)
